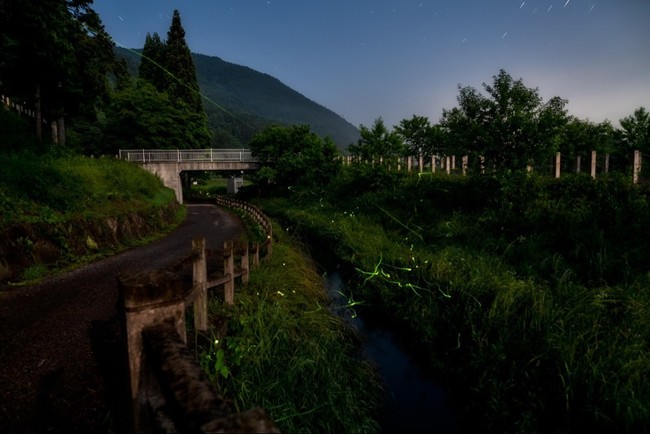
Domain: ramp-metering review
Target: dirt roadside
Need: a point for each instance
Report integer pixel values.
(62, 367)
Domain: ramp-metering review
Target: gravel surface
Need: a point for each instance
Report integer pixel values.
(62, 364)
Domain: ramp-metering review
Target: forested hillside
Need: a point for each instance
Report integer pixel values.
(241, 101)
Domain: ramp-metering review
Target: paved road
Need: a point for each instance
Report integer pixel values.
(62, 366)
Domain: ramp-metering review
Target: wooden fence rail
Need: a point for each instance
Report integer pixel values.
(169, 391)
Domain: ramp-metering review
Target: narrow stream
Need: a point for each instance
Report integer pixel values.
(415, 400)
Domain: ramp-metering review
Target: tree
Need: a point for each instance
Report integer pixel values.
(153, 56)
(56, 56)
(421, 138)
(142, 117)
(377, 141)
(169, 67)
(183, 85)
(582, 136)
(511, 126)
(636, 130)
(294, 156)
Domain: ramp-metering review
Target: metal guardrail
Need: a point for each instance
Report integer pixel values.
(202, 155)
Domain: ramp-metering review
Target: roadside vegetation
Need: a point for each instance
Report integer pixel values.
(529, 293)
(284, 350)
(58, 207)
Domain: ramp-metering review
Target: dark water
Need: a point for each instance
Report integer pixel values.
(416, 400)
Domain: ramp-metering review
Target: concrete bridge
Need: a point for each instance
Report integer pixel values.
(168, 164)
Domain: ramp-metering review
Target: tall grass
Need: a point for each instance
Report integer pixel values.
(516, 295)
(48, 188)
(285, 351)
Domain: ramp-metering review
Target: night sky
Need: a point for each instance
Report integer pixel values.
(395, 58)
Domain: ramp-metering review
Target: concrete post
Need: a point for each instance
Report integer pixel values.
(593, 165)
(433, 164)
(229, 271)
(409, 163)
(245, 265)
(421, 163)
(464, 163)
(482, 159)
(453, 162)
(199, 284)
(269, 248)
(149, 298)
(578, 161)
(606, 163)
(636, 170)
(558, 166)
(448, 164)
(256, 254)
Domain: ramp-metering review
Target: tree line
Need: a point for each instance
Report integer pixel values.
(509, 125)
(58, 60)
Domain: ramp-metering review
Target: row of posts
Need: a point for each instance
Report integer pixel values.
(156, 301)
(57, 127)
(448, 164)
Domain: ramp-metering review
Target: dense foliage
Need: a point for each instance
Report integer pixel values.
(56, 57)
(531, 294)
(294, 158)
(140, 116)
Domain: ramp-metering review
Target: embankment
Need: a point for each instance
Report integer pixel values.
(28, 249)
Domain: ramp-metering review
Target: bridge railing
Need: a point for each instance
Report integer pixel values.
(201, 155)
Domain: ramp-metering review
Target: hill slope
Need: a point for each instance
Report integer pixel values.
(241, 101)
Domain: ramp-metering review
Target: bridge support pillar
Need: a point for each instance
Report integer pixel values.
(170, 174)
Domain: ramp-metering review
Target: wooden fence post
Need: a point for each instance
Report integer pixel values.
(636, 170)
(448, 164)
(464, 163)
(558, 165)
(199, 282)
(593, 165)
(606, 163)
(409, 163)
(578, 161)
(433, 164)
(229, 271)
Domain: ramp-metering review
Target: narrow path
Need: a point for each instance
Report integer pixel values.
(62, 365)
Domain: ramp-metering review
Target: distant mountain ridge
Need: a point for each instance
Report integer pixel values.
(241, 101)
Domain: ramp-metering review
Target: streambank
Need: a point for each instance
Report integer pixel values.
(416, 398)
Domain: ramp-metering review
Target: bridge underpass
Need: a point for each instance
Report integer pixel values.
(169, 164)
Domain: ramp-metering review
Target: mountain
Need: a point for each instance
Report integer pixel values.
(240, 101)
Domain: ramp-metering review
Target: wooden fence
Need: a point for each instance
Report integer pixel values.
(169, 391)
(453, 165)
(57, 126)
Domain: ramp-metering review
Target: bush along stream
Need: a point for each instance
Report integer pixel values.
(529, 294)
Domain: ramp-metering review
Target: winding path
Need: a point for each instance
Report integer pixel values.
(62, 365)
